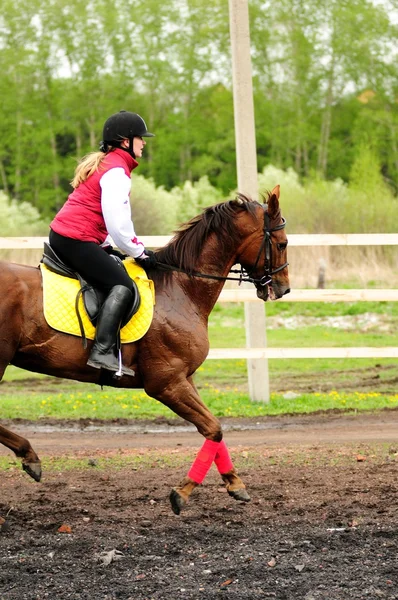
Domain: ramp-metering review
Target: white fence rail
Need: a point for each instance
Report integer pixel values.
(360, 352)
(304, 295)
(316, 239)
(374, 295)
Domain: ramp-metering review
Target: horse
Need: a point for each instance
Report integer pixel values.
(191, 272)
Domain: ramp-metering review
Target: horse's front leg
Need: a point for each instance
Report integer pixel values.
(235, 486)
(22, 448)
(183, 398)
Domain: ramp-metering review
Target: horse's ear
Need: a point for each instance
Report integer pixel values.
(276, 191)
(273, 201)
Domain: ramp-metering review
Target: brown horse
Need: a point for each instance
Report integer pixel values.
(196, 263)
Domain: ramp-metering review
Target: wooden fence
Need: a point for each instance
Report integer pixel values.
(304, 295)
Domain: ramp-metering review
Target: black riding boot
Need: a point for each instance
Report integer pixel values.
(104, 354)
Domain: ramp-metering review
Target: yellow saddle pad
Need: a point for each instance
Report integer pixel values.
(59, 298)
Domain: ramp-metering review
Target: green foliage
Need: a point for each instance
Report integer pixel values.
(192, 198)
(365, 173)
(320, 206)
(17, 219)
(154, 209)
(67, 65)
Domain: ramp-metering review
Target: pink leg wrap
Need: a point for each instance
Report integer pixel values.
(203, 461)
(222, 459)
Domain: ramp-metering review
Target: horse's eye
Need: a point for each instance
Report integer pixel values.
(282, 246)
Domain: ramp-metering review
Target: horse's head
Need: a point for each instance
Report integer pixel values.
(263, 253)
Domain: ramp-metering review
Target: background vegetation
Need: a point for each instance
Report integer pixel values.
(325, 80)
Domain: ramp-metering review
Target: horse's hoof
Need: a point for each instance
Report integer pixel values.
(240, 494)
(33, 469)
(177, 502)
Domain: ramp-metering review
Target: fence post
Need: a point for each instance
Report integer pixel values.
(246, 160)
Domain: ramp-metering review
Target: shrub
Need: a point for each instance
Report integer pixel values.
(192, 198)
(154, 209)
(319, 206)
(17, 219)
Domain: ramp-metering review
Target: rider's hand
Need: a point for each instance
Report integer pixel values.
(147, 260)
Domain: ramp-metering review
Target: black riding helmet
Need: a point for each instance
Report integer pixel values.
(123, 125)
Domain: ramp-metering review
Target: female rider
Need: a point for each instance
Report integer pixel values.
(99, 207)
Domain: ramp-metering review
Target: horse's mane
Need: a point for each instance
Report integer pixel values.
(185, 247)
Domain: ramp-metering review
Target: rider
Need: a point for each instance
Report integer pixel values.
(99, 207)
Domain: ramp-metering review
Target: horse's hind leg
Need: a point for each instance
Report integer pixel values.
(22, 448)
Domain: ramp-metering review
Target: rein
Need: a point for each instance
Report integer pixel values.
(244, 276)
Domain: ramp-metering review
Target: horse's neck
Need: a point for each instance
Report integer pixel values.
(214, 261)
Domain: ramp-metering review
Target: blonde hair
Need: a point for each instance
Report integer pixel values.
(87, 166)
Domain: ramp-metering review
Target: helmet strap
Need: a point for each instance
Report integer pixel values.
(129, 150)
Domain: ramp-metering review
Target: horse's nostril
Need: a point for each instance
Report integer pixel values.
(286, 291)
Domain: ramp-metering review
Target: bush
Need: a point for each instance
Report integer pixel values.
(192, 198)
(154, 209)
(320, 206)
(17, 219)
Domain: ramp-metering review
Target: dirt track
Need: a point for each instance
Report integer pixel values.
(322, 522)
(52, 438)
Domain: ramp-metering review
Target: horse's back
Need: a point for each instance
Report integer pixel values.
(16, 279)
(21, 292)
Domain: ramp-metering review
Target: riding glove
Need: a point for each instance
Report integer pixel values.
(147, 260)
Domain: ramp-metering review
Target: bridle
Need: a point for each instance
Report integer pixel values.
(244, 275)
(266, 248)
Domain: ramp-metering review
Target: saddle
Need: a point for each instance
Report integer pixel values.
(93, 298)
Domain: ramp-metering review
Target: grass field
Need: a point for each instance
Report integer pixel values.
(223, 383)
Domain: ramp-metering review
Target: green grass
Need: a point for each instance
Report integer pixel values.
(223, 383)
(226, 326)
(108, 404)
(310, 309)
(316, 336)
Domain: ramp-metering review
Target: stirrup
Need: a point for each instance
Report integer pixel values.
(122, 370)
(116, 372)
(117, 368)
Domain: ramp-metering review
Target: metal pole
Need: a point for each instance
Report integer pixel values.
(246, 160)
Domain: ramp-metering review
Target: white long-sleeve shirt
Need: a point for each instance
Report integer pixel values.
(116, 210)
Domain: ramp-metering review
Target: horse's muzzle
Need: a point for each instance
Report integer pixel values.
(262, 292)
(273, 292)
